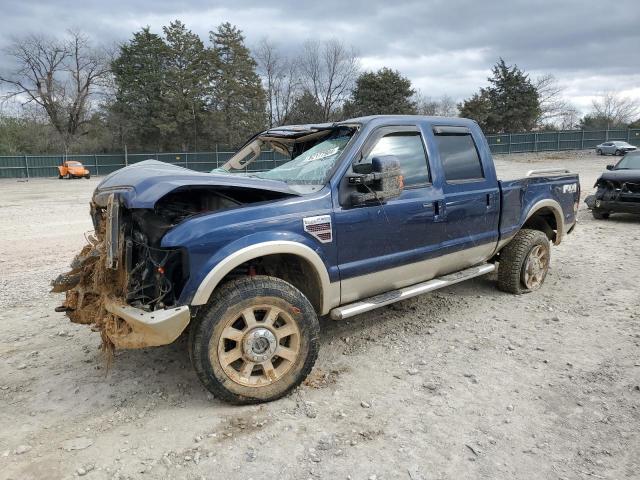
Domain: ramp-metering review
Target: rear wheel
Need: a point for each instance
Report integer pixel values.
(60, 177)
(87, 176)
(618, 153)
(524, 262)
(599, 214)
(256, 340)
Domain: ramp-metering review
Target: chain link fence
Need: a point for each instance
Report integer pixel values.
(29, 166)
(556, 141)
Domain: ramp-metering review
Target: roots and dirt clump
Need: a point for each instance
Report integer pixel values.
(88, 286)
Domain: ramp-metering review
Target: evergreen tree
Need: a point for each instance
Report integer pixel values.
(188, 78)
(305, 109)
(381, 92)
(510, 104)
(477, 107)
(238, 96)
(140, 87)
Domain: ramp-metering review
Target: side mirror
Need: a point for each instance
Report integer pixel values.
(378, 181)
(610, 167)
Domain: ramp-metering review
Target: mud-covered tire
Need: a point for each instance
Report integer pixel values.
(599, 214)
(514, 257)
(208, 335)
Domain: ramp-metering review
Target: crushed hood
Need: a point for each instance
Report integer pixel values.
(141, 185)
(621, 176)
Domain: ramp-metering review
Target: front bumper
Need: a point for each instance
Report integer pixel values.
(619, 207)
(147, 329)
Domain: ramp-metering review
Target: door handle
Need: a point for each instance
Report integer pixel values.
(440, 211)
(491, 200)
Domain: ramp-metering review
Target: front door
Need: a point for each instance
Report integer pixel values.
(381, 245)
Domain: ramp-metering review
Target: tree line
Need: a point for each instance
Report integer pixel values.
(175, 91)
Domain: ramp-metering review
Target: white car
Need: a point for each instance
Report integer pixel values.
(614, 148)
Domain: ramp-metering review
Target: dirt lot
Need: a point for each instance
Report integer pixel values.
(467, 382)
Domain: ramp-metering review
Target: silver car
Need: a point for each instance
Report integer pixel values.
(614, 148)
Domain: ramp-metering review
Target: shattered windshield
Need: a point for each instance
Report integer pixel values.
(311, 167)
(311, 163)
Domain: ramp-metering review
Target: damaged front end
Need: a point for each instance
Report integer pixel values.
(122, 283)
(616, 195)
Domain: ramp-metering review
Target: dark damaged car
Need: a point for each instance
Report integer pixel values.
(364, 213)
(618, 189)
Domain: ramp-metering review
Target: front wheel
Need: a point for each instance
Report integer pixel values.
(599, 152)
(255, 341)
(524, 262)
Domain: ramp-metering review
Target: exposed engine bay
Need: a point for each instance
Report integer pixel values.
(620, 191)
(123, 261)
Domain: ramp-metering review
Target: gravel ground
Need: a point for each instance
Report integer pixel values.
(467, 382)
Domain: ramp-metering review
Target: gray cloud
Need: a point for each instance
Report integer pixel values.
(444, 46)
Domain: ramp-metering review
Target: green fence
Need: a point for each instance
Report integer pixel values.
(28, 166)
(556, 141)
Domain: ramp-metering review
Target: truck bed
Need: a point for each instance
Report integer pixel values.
(520, 195)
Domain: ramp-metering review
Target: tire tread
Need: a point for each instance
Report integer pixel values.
(248, 287)
(512, 258)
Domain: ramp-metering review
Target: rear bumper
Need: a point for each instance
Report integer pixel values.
(147, 329)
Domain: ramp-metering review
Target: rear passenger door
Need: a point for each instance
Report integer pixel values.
(471, 195)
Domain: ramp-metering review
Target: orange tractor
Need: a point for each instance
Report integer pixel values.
(73, 169)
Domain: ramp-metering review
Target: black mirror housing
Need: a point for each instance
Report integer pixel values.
(363, 168)
(384, 180)
(610, 167)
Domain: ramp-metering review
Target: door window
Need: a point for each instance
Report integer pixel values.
(459, 157)
(409, 149)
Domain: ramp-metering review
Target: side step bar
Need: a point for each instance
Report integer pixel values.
(393, 296)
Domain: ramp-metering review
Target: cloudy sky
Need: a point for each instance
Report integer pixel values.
(443, 46)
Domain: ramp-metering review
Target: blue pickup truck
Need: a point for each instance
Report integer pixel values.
(366, 212)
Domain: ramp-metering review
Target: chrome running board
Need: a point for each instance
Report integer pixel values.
(393, 296)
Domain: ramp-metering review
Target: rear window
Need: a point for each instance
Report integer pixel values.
(459, 157)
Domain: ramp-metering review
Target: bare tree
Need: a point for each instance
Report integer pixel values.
(329, 71)
(445, 106)
(280, 74)
(552, 104)
(568, 118)
(59, 76)
(614, 109)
